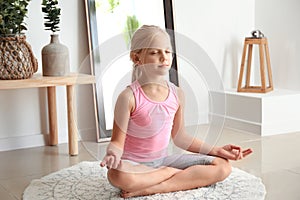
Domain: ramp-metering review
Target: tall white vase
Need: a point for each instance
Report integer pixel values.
(55, 58)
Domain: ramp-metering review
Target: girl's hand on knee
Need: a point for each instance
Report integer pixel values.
(112, 159)
(232, 152)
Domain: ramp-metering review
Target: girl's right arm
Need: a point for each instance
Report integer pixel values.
(124, 106)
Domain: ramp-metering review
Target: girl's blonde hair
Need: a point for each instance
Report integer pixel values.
(143, 39)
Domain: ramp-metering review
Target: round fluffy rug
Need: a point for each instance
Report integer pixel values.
(87, 181)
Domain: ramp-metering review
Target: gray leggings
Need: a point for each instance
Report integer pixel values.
(181, 161)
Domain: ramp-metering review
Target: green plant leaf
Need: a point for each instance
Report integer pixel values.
(52, 14)
(12, 14)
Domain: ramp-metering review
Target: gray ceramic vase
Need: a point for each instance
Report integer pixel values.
(55, 58)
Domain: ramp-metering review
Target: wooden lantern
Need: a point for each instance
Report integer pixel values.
(263, 56)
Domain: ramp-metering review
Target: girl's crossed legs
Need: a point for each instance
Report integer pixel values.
(174, 173)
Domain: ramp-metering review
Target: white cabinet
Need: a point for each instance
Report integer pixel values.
(264, 114)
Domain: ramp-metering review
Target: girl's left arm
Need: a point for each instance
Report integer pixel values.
(187, 142)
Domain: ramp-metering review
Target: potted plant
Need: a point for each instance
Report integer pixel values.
(16, 56)
(55, 56)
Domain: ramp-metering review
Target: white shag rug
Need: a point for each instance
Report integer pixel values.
(87, 181)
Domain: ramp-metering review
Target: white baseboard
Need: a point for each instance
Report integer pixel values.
(13, 143)
(37, 140)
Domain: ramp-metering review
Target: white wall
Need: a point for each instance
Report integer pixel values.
(219, 27)
(279, 20)
(23, 113)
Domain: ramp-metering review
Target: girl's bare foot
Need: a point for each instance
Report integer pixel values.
(125, 194)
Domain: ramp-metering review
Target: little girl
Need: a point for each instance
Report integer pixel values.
(147, 114)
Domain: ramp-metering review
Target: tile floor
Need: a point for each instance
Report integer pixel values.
(276, 159)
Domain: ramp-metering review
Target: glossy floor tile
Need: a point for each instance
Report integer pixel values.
(276, 159)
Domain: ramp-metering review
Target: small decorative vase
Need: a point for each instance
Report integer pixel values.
(16, 58)
(55, 58)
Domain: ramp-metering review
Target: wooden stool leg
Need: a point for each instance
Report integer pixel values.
(72, 126)
(53, 133)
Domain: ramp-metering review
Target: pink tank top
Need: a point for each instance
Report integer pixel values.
(150, 125)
